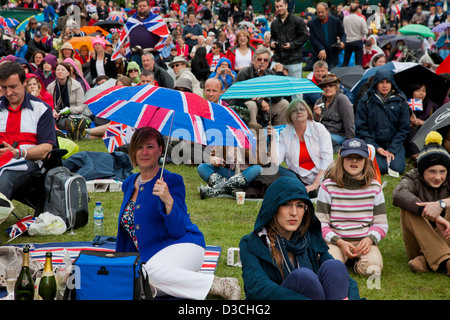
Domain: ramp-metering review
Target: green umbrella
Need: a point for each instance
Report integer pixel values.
(270, 86)
(417, 30)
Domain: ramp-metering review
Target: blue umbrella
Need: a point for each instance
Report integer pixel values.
(9, 22)
(370, 73)
(270, 86)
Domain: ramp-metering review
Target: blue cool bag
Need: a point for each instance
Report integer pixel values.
(106, 275)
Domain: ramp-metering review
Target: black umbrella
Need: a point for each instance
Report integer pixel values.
(437, 86)
(436, 122)
(108, 24)
(349, 75)
(412, 42)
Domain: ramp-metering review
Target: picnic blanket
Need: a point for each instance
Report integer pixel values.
(38, 250)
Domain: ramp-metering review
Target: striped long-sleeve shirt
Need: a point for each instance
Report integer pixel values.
(352, 213)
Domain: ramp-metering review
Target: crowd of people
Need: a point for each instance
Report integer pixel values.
(297, 249)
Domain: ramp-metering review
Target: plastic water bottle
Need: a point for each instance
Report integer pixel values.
(98, 219)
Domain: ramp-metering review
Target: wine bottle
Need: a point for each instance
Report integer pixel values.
(47, 285)
(24, 288)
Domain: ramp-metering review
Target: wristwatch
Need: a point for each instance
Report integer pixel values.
(443, 204)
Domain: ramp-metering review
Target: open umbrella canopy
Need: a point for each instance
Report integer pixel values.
(194, 118)
(393, 66)
(78, 42)
(436, 122)
(441, 27)
(417, 30)
(436, 86)
(9, 22)
(270, 86)
(116, 17)
(349, 75)
(412, 42)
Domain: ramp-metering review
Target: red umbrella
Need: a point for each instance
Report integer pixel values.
(444, 67)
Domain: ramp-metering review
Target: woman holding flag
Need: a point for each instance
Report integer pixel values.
(421, 108)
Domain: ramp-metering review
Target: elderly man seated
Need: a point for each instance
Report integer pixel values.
(181, 69)
(262, 109)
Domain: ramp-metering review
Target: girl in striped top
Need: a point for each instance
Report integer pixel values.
(351, 209)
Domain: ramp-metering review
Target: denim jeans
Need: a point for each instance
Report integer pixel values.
(295, 70)
(338, 139)
(10, 180)
(330, 283)
(398, 164)
(205, 170)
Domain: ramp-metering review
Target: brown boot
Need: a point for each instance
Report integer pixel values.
(418, 264)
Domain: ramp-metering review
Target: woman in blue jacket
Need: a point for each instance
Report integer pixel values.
(154, 221)
(382, 120)
(285, 257)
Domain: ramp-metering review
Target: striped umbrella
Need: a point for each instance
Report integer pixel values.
(9, 22)
(116, 17)
(174, 113)
(270, 86)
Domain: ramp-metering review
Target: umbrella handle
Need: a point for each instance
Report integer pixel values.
(167, 146)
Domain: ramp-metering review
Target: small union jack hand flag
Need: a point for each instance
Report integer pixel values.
(415, 104)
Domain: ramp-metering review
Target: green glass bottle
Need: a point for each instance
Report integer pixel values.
(24, 288)
(47, 286)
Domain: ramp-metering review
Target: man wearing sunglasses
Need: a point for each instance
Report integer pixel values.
(263, 110)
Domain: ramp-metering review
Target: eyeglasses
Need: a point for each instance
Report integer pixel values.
(298, 205)
(176, 65)
(329, 85)
(261, 59)
(133, 70)
(298, 110)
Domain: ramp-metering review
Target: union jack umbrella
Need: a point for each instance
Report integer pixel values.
(174, 113)
(116, 17)
(154, 24)
(9, 22)
(117, 135)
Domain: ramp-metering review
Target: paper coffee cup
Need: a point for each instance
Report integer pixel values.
(240, 197)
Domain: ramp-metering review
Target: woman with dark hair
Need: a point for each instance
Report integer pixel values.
(154, 221)
(199, 66)
(421, 108)
(285, 257)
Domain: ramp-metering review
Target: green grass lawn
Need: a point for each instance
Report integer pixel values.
(224, 223)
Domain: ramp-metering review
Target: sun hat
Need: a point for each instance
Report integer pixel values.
(354, 146)
(179, 59)
(329, 78)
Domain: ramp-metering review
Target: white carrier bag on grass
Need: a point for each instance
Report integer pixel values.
(66, 196)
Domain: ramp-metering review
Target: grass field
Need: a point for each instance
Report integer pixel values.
(223, 223)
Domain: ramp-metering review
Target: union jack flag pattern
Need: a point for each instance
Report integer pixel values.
(415, 104)
(117, 135)
(154, 24)
(20, 227)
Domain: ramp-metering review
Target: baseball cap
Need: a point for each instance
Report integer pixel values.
(354, 146)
